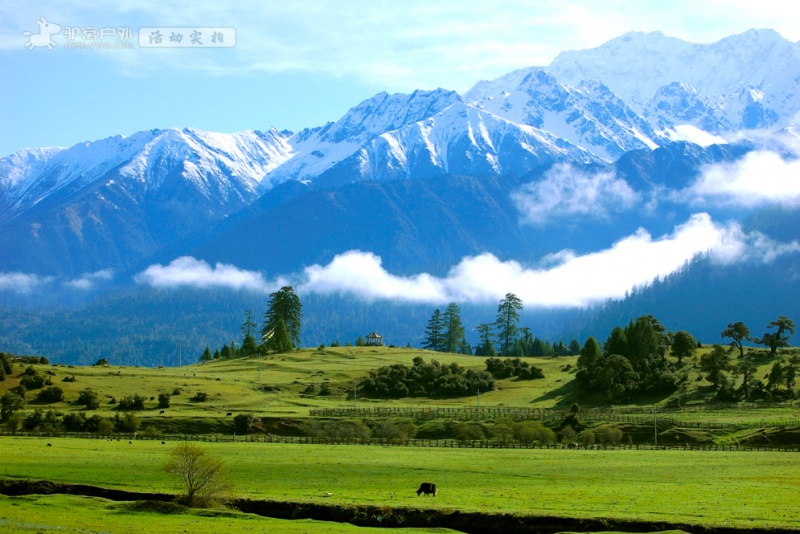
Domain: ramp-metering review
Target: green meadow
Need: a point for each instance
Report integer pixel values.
(753, 489)
(746, 489)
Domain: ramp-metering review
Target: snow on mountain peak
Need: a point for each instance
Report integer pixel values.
(148, 158)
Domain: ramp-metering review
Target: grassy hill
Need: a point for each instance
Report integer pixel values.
(291, 385)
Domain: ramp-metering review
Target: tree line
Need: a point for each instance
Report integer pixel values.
(632, 362)
(445, 332)
(279, 332)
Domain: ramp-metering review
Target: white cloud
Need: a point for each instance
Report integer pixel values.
(565, 191)
(190, 272)
(88, 280)
(759, 178)
(566, 280)
(361, 274)
(21, 282)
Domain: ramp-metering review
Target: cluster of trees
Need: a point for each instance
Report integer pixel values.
(504, 337)
(633, 362)
(425, 380)
(280, 330)
(55, 421)
(512, 367)
(723, 372)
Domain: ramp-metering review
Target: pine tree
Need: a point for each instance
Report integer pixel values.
(453, 328)
(464, 348)
(249, 345)
(433, 332)
(284, 304)
(486, 348)
(280, 340)
(206, 357)
(507, 320)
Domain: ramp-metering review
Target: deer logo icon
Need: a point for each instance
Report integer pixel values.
(44, 37)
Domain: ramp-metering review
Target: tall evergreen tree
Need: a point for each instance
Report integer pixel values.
(464, 347)
(453, 328)
(485, 348)
(280, 340)
(507, 321)
(433, 332)
(249, 344)
(206, 357)
(284, 304)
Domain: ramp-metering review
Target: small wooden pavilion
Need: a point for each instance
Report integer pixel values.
(374, 340)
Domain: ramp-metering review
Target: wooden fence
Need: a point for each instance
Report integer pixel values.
(422, 443)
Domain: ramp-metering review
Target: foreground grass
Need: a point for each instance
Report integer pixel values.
(752, 489)
(68, 513)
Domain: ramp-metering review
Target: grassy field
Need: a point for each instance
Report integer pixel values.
(233, 385)
(753, 489)
(69, 513)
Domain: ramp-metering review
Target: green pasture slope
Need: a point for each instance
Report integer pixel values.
(233, 385)
(69, 513)
(756, 490)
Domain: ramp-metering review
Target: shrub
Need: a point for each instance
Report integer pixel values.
(35, 419)
(73, 422)
(29, 371)
(10, 403)
(14, 422)
(151, 432)
(68, 378)
(608, 434)
(176, 391)
(242, 422)
(32, 382)
(129, 422)
(5, 363)
(89, 398)
(400, 429)
(132, 403)
(468, 432)
(51, 394)
(426, 379)
(586, 437)
(105, 427)
(530, 432)
(92, 423)
(163, 400)
(44, 361)
(324, 389)
(200, 397)
(2, 373)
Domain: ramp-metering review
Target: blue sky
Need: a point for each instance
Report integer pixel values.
(304, 62)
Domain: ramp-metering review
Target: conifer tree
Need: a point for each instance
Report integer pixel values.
(507, 321)
(284, 304)
(433, 332)
(453, 328)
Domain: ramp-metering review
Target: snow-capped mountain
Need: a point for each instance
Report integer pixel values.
(588, 115)
(224, 168)
(315, 151)
(460, 139)
(109, 203)
(114, 202)
(744, 81)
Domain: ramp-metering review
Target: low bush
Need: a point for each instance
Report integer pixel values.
(51, 394)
